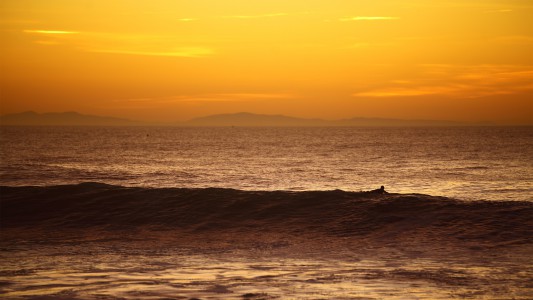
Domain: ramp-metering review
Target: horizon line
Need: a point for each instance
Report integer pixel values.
(177, 123)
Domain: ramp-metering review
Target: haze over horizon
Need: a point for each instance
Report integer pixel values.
(166, 61)
(73, 118)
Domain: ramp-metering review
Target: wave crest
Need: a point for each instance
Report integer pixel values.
(335, 213)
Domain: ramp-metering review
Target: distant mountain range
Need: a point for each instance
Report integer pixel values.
(249, 119)
(236, 119)
(62, 119)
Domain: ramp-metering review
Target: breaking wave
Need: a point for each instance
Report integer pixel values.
(333, 213)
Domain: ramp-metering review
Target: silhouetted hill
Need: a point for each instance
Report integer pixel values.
(250, 119)
(237, 119)
(394, 122)
(62, 119)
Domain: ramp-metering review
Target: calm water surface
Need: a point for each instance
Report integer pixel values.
(493, 163)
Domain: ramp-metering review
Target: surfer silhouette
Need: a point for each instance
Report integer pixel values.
(381, 190)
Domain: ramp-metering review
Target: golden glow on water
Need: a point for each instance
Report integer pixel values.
(231, 276)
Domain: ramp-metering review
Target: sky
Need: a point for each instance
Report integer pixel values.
(173, 60)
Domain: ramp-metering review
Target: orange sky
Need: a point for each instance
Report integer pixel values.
(170, 60)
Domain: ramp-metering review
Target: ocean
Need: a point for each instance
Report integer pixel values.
(266, 213)
(468, 163)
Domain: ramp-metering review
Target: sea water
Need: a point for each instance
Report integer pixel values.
(96, 241)
(470, 163)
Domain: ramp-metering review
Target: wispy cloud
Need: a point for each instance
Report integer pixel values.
(51, 31)
(257, 96)
(52, 37)
(211, 97)
(495, 6)
(499, 11)
(116, 43)
(405, 92)
(367, 18)
(460, 82)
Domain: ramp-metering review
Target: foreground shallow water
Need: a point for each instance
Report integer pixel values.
(133, 270)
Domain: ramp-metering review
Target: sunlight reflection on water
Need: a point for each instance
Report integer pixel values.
(237, 277)
(493, 163)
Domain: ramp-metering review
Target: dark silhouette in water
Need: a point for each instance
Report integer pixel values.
(381, 190)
